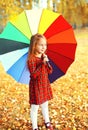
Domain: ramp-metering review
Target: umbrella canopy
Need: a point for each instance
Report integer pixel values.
(15, 41)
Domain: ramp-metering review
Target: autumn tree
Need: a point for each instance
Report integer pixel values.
(75, 11)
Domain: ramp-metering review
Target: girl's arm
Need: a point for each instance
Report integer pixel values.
(46, 61)
(34, 72)
(49, 68)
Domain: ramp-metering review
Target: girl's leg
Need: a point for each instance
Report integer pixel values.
(45, 111)
(33, 114)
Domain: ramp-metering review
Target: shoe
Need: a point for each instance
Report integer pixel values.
(36, 129)
(49, 126)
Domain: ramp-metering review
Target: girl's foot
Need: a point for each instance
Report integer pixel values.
(49, 126)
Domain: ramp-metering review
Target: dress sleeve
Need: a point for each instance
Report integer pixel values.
(35, 71)
(49, 68)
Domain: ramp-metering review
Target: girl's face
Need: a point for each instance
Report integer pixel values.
(41, 46)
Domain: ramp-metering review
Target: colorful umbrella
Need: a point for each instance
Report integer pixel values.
(15, 40)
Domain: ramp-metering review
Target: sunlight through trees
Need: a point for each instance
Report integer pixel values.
(75, 11)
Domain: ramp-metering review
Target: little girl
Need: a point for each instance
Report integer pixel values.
(40, 90)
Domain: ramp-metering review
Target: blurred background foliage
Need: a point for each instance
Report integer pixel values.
(75, 11)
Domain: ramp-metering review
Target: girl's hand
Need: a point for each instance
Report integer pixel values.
(45, 58)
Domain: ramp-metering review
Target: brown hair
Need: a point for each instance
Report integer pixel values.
(33, 42)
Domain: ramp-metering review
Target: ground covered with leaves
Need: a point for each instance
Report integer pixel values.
(68, 108)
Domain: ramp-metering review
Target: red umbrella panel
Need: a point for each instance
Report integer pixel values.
(60, 37)
(61, 45)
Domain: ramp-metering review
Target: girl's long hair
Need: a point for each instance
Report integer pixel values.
(33, 42)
